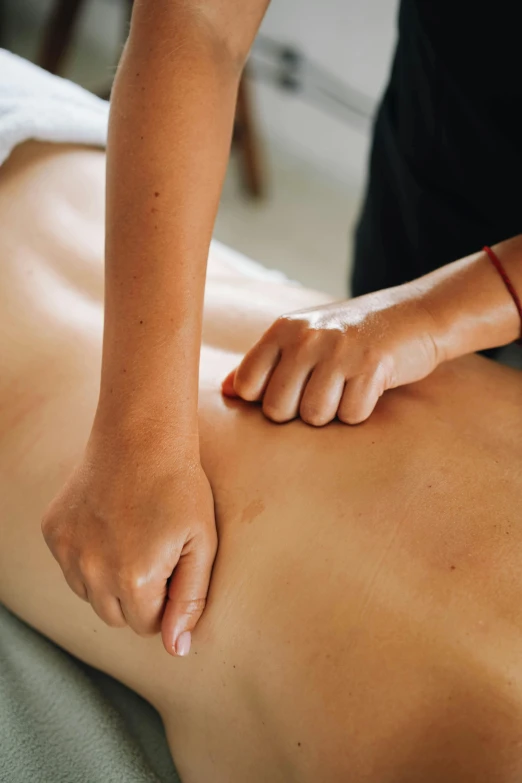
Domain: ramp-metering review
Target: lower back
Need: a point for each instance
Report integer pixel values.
(364, 613)
(365, 606)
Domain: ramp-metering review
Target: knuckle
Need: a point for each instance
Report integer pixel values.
(115, 622)
(371, 357)
(60, 550)
(305, 334)
(375, 361)
(49, 529)
(385, 372)
(148, 629)
(142, 633)
(286, 328)
(346, 417)
(45, 525)
(273, 412)
(282, 324)
(351, 413)
(89, 569)
(56, 539)
(75, 583)
(243, 383)
(131, 581)
(313, 414)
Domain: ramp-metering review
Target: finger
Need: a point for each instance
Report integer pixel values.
(108, 608)
(227, 387)
(285, 388)
(254, 372)
(143, 607)
(76, 584)
(187, 594)
(322, 396)
(359, 398)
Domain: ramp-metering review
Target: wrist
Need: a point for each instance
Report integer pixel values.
(137, 397)
(428, 321)
(470, 305)
(442, 324)
(147, 429)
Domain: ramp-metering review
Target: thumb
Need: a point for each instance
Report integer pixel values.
(360, 397)
(186, 597)
(227, 387)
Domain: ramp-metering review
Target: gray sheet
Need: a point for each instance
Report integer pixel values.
(63, 722)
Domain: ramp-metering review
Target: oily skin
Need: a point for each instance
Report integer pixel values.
(172, 112)
(385, 562)
(337, 360)
(167, 155)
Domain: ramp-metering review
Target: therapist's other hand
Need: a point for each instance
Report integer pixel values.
(337, 360)
(134, 533)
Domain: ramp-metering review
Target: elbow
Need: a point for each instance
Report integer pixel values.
(191, 30)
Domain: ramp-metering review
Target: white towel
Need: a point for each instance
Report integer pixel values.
(36, 105)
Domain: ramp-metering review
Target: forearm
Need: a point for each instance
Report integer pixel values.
(471, 307)
(170, 128)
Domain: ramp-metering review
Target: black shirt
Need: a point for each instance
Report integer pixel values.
(446, 163)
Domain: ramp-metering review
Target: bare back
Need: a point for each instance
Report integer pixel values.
(364, 620)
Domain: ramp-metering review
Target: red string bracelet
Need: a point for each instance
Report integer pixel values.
(507, 282)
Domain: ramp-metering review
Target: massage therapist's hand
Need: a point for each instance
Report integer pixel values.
(337, 360)
(134, 533)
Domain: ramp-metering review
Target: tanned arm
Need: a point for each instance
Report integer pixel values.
(134, 529)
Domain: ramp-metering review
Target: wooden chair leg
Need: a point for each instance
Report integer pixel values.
(247, 142)
(58, 34)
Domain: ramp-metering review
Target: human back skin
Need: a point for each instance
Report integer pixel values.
(364, 620)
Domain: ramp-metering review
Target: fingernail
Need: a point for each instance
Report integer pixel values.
(183, 643)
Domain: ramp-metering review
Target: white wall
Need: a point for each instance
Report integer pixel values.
(353, 39)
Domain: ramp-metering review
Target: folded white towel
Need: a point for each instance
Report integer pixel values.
(36, 105)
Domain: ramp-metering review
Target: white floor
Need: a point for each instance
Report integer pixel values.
(303, 226)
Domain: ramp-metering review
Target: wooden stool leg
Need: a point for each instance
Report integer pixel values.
(247, 142)
(58, 33)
